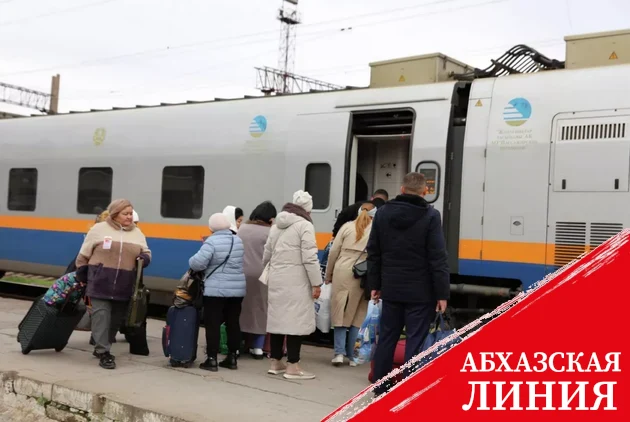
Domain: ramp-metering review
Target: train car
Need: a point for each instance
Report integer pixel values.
(529, 171)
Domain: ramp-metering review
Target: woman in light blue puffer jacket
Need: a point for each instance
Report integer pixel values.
(221, 259)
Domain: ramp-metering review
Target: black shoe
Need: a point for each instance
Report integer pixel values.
(229, 362)
(98, 355)
(107, 361)
(210, 365)
(257, 357)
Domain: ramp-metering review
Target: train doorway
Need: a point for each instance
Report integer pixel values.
(378, 162)
(378, 154)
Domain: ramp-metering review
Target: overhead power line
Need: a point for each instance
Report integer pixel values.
(54, 12)
(257, 35)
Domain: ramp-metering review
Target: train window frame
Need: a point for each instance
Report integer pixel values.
(111, 189)
(32, 207)
(306, 173)
(438, 177)
(203, 187)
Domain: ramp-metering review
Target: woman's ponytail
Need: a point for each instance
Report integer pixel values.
(361, 223)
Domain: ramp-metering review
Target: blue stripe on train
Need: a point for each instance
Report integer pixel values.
(528, 274)
(169, 257)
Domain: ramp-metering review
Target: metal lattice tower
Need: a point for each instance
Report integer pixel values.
(29, 98)
(289, 18)
(274, 80)
(24, 97)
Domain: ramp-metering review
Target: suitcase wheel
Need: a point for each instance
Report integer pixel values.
(27, 350)
(59, 349)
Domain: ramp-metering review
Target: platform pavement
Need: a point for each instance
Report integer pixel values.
(247, 394)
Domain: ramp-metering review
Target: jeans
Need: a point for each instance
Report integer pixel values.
(215, 311)
(345, 340)
(294, 344)
(258, 341)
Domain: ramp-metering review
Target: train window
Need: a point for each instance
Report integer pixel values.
(182, 192)
(95, 189)
(22, 189)
(318, 177)
(431, 171)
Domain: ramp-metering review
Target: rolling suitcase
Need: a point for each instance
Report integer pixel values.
(399, 360)
(180, 335)
(48, 327)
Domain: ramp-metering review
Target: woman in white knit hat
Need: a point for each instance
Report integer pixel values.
(221, 260)
(294, 280)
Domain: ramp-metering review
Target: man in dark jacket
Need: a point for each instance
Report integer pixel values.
(408, 270)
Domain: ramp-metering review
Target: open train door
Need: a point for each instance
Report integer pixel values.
(315, 162)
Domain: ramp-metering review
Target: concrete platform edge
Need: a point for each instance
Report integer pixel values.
(65, 404)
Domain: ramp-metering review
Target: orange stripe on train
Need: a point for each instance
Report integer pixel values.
(494, 250)
(155, 230)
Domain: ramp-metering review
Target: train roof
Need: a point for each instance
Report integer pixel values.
(190, 102)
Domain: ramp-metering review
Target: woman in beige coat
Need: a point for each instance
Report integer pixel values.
(294, 280)
(348, 306)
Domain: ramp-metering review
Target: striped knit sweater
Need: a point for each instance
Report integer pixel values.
(109, 252)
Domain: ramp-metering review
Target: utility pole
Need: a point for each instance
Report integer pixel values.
(54, 95)
(289, 18)
(282, 80)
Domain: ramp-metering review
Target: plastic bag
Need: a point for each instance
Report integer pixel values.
(322, 309)
(368, 333)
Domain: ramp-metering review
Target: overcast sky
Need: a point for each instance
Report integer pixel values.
(128, 52)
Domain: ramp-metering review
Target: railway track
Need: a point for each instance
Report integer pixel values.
(24, 286)
(20, 291)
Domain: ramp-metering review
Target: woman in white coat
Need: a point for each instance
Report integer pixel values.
(294, 280)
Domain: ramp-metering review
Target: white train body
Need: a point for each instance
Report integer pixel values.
(530, 171)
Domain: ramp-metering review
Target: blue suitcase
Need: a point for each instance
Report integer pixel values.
(180, 335)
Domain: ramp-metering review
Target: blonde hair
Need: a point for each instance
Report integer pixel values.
(362, 222)
(117, 206)
(102, 217)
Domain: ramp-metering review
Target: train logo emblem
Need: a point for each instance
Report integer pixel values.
(99, 136)
(517, 112)
(258, 126)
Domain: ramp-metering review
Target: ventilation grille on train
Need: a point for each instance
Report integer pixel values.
(594, 131)
(570, 242)
(571, 239)
(601, 232)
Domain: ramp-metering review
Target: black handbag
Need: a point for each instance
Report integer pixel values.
(359, 270)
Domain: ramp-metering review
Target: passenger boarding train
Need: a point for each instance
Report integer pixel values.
(528, 171)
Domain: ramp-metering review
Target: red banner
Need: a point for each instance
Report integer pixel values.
(554, 352)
